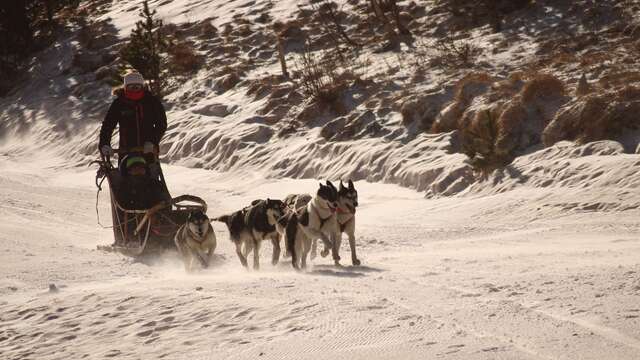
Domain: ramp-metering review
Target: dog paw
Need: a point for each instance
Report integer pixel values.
(355, 262)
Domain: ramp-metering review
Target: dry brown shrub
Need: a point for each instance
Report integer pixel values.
(466, 89)
(511, 128)
(170, 29)
(561, 58)
(447, 120)
(583, 88)
(324, 75)
(507, 88)
(95, 35)
(619, 78)
(207, 30)
(183, 59)
(226, 31)
(421, 110)
(289, 30)
(479, 141)
(264, 86)
(455, 54)
(516, 76)
(472, 85)
(228, 82)
(587, 119)
(543, 86)
(243, 30)
(628, 93)
(595, 58)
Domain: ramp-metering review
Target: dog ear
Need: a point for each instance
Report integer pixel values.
(341, 186)
(329, 184)
(351, 187)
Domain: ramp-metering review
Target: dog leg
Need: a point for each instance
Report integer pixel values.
(299, 251)
(209, 256)
(275, 240)
(314, 249)
(243, 259)
(350, 230)
(182, 252)
(196, 255)
(305, 251)
(256, 255)
(189, 263)
(352, 244)
(314, 234)
(335, 250)
(248, 246)
(212, 246)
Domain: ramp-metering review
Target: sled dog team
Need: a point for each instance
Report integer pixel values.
(301, 220)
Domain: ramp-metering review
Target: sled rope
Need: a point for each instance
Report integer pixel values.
(99, 185)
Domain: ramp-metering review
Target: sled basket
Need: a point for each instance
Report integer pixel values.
(141, 232)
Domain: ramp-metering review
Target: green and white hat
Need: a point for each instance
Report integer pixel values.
(135, 160)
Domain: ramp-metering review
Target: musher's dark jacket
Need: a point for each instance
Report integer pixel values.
(139, 121)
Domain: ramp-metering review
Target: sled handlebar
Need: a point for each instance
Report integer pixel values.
(124, 152)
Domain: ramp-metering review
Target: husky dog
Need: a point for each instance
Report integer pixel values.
(311, 219)
(346, 214)
(249, 226)
(238, 232)
(196, 240)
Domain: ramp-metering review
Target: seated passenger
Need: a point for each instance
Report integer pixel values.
(139, 190)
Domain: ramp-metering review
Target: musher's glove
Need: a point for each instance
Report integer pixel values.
(106, 150)
(148, 147)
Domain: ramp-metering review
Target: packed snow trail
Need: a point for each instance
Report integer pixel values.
(508, 276)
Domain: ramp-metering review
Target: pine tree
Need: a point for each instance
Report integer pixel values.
(16, 39)
(145, 47)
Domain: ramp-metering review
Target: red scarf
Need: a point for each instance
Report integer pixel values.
(134, 95)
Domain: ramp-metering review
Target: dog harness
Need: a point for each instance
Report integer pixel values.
(322, 221)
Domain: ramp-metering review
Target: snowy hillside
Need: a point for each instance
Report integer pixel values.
(496, 173)
(404, 118)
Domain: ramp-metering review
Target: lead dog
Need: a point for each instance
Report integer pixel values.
(346, 214)
(249, 226)
(196, 240)
(310, 219)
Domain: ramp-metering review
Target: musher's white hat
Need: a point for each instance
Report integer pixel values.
(133, 77)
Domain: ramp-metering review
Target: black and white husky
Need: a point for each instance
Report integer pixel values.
(196, 241)
(249, 226)
(309, 219)
(346, 215)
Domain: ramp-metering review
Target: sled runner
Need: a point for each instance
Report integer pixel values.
(143, 227)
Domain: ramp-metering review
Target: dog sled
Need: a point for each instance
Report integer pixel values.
(148, 230)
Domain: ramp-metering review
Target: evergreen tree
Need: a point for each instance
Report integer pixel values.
(145, 47)
(16, 39)
(23, 31)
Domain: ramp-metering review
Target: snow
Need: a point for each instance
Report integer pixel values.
(535, 261)
(511, 275)
(124, 14)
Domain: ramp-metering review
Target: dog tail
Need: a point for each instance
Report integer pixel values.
(290, 234)
(223, 218)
